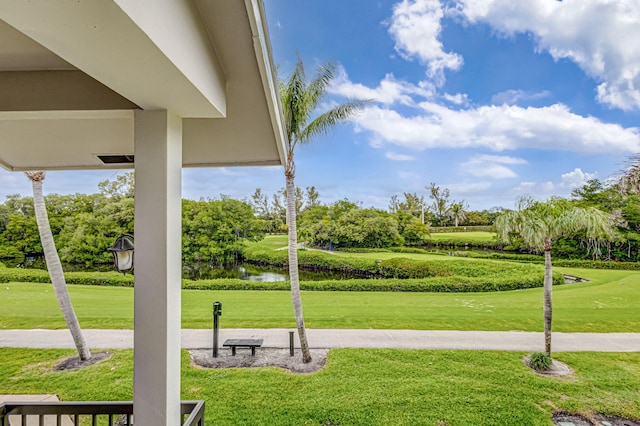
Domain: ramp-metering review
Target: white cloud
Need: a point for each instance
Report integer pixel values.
(497, 128)
(399, 157)
(601, 36)
(576, 178)
(389, 91)
(491, 166)
(511, 97)
(457, 99)
(415, 27)
(562, 188)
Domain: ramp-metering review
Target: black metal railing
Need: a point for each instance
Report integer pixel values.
(96, 412)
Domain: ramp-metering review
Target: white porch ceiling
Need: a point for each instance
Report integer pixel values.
(73, 71)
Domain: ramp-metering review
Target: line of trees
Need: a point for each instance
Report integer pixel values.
(85, 225)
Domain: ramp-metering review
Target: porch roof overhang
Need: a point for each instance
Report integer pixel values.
(72, 73)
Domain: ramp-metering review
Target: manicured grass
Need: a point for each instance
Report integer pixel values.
(273, 242)
(609, 303)
(361, 387)
(476, 236)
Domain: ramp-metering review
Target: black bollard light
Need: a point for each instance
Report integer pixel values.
(217, 311)
(291, 343)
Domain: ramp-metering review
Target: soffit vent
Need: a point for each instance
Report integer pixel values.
(116, 159)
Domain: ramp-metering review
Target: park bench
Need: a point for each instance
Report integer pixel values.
(243, 343)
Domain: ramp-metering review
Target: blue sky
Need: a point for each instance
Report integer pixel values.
(489, 98)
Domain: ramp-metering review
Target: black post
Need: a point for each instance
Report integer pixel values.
(291, 343)
(217, 311)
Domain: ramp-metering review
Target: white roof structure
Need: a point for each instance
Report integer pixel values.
(73, 72)
(156, 85)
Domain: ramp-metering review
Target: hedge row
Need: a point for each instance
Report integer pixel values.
(500, 256)
(451, 284)
(433, 284)
(413, 250)
(566, 263)
(463, 242)
(596, 264)
(85, 278)
(459, 229)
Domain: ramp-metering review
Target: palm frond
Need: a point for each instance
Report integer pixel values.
(318, 86)
(324, 122)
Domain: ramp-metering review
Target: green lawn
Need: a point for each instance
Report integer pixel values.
(361, 387)
(273, 241)
(476, 236)
(610, 302)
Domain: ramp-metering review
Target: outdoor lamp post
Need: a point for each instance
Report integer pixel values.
(122, 251)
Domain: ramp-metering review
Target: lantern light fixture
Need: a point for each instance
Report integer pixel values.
(122, 251)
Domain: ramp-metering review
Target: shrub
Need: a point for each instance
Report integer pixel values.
(85, 278)
(597, 264)
(451, 284)
(400, 267)
(540, 361)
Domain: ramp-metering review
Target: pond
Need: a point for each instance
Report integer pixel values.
(243, 271)
(247, 271)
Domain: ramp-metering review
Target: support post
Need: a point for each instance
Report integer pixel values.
(158, 231)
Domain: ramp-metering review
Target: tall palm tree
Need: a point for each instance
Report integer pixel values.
(539, 224)
(54, 266)
(300, 100)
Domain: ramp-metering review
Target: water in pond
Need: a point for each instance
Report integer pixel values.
(247, 271)
(243, 271)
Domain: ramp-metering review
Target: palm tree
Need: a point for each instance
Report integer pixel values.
(300, 99)
(539, 224)
(629, 181)
(54, 266)
(457, 212)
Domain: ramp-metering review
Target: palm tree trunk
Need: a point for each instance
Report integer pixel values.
(548, 283)
(55, 267)
(293, 265)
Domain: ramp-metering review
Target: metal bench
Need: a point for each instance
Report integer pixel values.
(243, 343)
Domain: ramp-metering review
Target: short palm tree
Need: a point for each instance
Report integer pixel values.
(539, 224)
(54, 266)
(457, 212)
(300, 100)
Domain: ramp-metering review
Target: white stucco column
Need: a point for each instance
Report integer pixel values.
(158, 231)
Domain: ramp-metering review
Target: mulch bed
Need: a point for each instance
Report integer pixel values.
(563, 418)
(75, 362)
(265, 357)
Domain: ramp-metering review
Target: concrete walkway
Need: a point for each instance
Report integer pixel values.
(333, 338)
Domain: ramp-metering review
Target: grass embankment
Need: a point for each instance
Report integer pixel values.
(361, 387)
(609, 303)
(407, 271)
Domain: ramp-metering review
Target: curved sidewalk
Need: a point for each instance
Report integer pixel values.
(345, 338)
